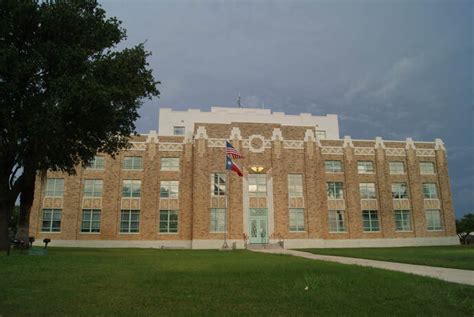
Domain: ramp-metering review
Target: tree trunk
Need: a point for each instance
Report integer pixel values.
(4, 238)
(26, 202)
(6, 209)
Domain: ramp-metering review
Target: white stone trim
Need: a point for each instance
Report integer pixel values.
(293, 144)
(369, 243)
(395, 152)
(173, 147)
(155, 244)
(364, 151)
(216, 143)
(137, 146)
(332, 150)
(425, 152)
(199, 244)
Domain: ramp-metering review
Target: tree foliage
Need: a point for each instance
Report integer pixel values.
(465, 224)
(66, 90)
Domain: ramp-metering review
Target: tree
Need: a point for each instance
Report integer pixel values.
(66, 93)
(465, 226)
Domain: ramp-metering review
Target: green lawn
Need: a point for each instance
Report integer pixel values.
(144, 282)
(456, 256)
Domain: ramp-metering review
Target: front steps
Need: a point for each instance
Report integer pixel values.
(266, 246)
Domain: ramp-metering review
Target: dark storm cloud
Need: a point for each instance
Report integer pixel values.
(393, 69)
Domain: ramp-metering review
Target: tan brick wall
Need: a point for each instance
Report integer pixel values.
(198, 160)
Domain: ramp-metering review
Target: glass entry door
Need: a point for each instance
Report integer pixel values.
(258, 225)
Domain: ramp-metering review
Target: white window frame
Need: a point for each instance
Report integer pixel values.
(135, 187)
(330, 166)
(218, 184)
(129, 221)
(430, 190)
(295, 185)
(321, 134)
(432, 223)
(96, 186)
(51, 227)
(217, 220)
(397, 167)
(91, 221)
(169, 189)
(396, 193)
(296, 220)
(335, 187)
(98, 163)
(362, 167)
(373, 218)
(367, 191)
(337, 221)
(403, 223)
(169, 164)
(258, 182)
(179, 128)
(132, 163)
(168, 221)
(54, 187)
(427, 171)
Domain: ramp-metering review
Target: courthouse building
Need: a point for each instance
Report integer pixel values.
(302, 186)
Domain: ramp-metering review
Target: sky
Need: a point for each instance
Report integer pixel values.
(394, 69)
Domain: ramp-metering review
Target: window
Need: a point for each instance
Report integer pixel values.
(370, 220)
(321, 134)
(169, 189)
(433, 220)
(218, 184)
(429, 191)
(399, 191)
(337, 221)
(168, 221)
(129, 221)
(178, 130)
(90, 220)
(54, 187)
(296, 219)
(169, 164)
(257, 184)
(333, 166)
(93, 187)
(132, 163)
(295, 185)
(51, 220)
(397, 167)
(218, 220)
(98, 163)
(335, 190)
(427, 168)
(402, 220)
(367, 191)
(131, 188)
(365, 167)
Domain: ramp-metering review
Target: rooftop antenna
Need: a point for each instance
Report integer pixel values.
(238, 101)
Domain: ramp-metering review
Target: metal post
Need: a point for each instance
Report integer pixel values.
(227, 187)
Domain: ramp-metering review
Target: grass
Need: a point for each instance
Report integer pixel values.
(144, 282)
(456, 256)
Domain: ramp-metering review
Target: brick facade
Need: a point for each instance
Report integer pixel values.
(280, 150)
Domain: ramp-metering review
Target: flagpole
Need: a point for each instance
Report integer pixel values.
(225, 245)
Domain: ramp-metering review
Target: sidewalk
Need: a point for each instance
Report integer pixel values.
(445, 274)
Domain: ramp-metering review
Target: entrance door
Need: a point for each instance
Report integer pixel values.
(258, 225)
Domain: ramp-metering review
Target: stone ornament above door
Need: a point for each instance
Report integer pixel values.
(256, 143)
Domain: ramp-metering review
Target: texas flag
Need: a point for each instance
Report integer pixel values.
(230, 165)
(231, 151)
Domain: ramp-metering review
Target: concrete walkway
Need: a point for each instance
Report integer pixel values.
(445, 274)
